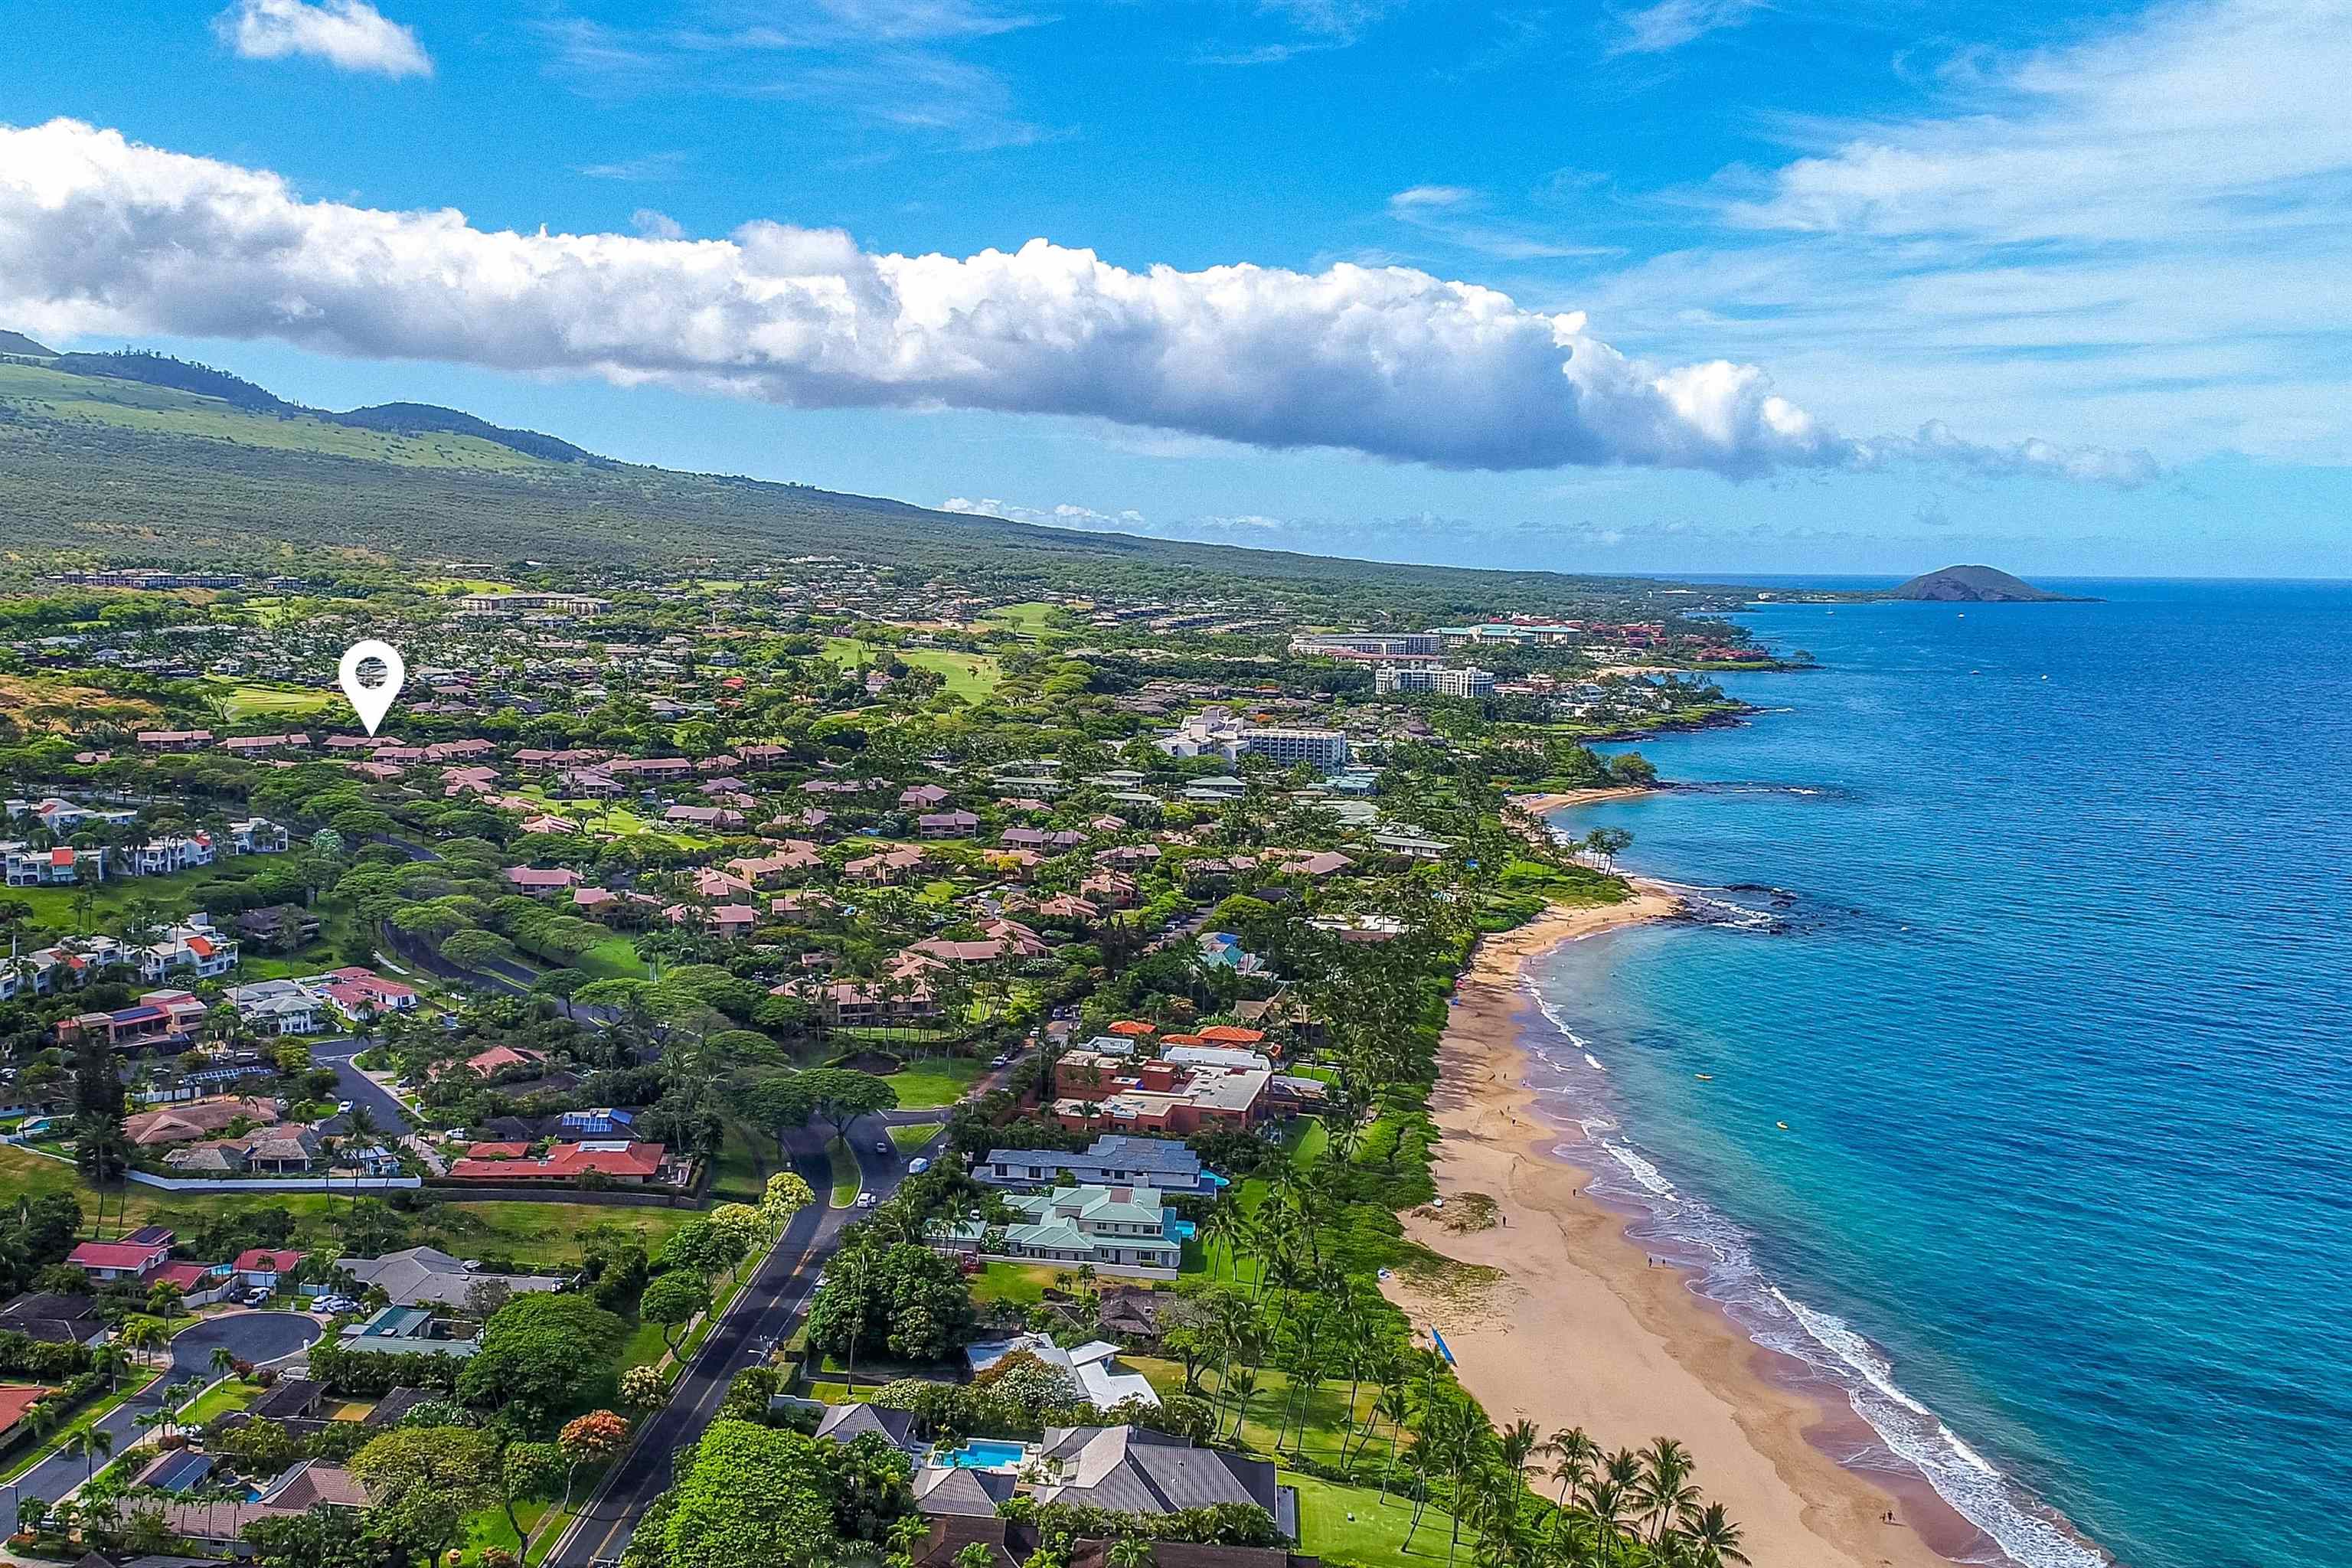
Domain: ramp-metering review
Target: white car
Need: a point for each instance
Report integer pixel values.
(343, 1108)
(917, 1166)
(866, 1200)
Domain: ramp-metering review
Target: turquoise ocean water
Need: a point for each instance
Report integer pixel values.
(2034, 925)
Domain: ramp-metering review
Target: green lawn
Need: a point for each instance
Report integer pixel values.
(908, 1139)
(938, 1080)
(551, 1232)
(488, 1530)
(53, 908)
(846, 1182)
(614, 958)
(1326, 1406)
(250, 699)
(971, 675)
(741, 1176)
(1354, 1525)
(1030, 618)
(1020, 1284)
(543, 1232)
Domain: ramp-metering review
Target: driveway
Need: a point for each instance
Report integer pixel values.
(258, 1337)
(358, 1088)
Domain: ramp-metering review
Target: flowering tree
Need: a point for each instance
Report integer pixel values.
(596, 1438)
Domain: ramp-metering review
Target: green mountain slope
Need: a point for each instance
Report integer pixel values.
(111, 466)
(19, 343)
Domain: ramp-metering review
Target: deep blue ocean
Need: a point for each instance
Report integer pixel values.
(2052, 989)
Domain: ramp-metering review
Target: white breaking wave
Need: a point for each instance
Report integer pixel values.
(1642, 1171)
(1594, 1062)
(1833, 1333)
(1914, 1435)
(1978, 1491)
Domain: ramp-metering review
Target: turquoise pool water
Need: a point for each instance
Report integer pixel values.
(980, 1454)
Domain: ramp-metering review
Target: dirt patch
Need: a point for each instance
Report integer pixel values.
(1464, 1212)
(57, 708)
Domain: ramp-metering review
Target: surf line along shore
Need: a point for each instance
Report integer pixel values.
(1564, 1321)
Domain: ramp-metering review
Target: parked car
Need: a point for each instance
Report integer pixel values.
(258, 1296)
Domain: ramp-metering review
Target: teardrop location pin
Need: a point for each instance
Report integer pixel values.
(372, 701)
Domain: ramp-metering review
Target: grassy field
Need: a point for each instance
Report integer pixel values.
(1020, 1284)
(41, 705)
(971, 675)
(614, 958)
(1354, 1525)
(540, 1233)
(741, 1176)
(247, 700)
(1328, 1412)
(597, 817)
(940, 1080)
(217, 1401)
(553, 1233)
(846, 1182)
(1030, 619)
(907, 1139)
(53, 908)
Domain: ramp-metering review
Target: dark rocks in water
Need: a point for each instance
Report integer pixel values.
(1978, 586)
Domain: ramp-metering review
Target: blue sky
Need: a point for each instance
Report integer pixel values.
(2056, 287)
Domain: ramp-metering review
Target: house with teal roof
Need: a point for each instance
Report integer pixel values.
(1115, 1230)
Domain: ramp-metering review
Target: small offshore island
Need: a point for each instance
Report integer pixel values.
(1978, 586)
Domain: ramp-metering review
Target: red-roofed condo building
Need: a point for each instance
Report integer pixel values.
(136, 1257)
(619, 1161)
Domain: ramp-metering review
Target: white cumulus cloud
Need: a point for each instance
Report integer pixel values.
(350, 34)
(99, 234)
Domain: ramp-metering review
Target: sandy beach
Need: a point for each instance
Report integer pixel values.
(1538, 804)
(1577, 1327)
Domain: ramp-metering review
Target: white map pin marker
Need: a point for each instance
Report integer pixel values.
(372, 702)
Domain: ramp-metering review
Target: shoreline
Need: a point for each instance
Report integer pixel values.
(1597, 1332)
(1543, 803)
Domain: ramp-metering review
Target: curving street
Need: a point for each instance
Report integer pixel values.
(257, 1337)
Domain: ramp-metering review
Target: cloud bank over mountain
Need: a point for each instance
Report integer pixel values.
(100, 234)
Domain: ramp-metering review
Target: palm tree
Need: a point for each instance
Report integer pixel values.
(1664, 1489)
(1518, 1442)
(1573, 1454)
(1393, 1405)
(1710, 1539)
(1243, 1383)
(90, 1444)
(223, 1360)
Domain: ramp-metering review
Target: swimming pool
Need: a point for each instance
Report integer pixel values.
(980, 1454)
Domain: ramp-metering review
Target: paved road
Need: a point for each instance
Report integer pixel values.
(764, 1310)
(260, 1337)
(763, 1313)
(359, 1089)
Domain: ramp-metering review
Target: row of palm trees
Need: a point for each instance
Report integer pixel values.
(1292, 1307)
